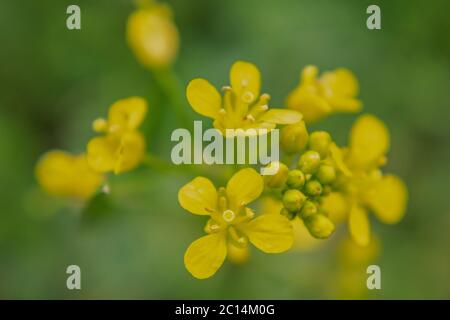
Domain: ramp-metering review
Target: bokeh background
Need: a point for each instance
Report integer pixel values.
(130, 244)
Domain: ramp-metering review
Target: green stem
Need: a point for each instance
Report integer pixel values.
(198, 170)
(173, 90)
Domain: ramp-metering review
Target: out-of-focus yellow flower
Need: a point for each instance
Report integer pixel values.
(366, 188)
(316, 97)
(122, 147)
(231, 221)
(242, 106)
(353, 261)
(303, 240)
(153, 36)
(66, 175)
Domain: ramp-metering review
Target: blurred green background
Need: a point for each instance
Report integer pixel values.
(130, 244)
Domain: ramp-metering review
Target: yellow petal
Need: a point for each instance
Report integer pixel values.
(198, 196)
(206, 255)
(62, 174)
(388, 199)
(127, 114)
(338, 158)
(345, 105)
(204, 98)
(335, 206)
(341, 82)
(116, 153)
(309, 75)
(307, 100)
(244, 186)
(85, 180)
(101, 152)
(280, 116)
(369, 141)
(245, 79)
(130, 153)
(271, 233)
(359, 225)
(237, 255)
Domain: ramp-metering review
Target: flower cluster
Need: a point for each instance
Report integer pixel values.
(121, 147)
(318, 184)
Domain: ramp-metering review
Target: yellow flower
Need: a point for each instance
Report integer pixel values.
(153, 36)
(366, 188)
(122, 147)
(62, 174)
(231, 221)
(242, 106)
(316, 97)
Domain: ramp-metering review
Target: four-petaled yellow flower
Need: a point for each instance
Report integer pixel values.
(366, 188)
(231, 221)
(153, 36)
(66, 175)
(242, 106)
(334, 91)
(122, 147)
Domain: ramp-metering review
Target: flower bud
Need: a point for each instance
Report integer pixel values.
(326, 174)
(295, 179)
(313, 188)
(293, 200)
(319, 226)
(309, 162)
(294, 137)
(288, 214)
(278, 179)
(320, 141)
(153, 36)
(309, 209)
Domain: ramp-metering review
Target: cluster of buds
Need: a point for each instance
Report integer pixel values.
(314, 176)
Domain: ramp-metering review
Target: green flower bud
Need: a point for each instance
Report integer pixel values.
(320, 141)
(294, 137)
(313, 188)
(288, 214)
(319, 226)
(293, 200)
(326, 174)
(278, 179)
(309, 209)
(296, 179)
(309, 162)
